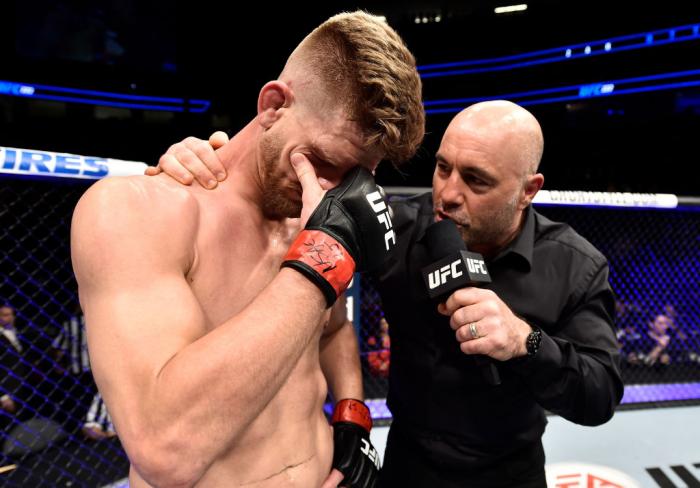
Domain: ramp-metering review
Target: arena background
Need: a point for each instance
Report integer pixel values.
(615, 85)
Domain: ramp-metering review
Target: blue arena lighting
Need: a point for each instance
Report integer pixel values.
(96, 93)
(103, 103)
(102, 98)
(626, 86)
(562, 53)
(202, 106)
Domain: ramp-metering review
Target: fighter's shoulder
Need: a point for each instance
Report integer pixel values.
(146, 194)
(135, 203)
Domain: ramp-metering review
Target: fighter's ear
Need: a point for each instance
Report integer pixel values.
(273, 96)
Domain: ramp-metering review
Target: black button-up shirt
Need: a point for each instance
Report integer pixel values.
(549, 276)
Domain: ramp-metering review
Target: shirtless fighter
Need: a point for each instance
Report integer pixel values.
(205, 309)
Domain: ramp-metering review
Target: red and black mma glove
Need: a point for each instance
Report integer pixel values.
(353, 453)
(349, 230)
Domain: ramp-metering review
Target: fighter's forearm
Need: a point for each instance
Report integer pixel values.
(211, 390)
(340, 362)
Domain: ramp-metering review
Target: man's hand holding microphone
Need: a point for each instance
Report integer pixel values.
(484, 325)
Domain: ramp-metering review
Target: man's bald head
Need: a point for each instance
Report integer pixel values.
(516, 129)
(486, 173)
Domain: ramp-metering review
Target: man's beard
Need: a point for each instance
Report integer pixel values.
(275, 204)
(495, 226)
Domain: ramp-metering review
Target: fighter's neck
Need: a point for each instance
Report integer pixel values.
(240, 153)
(241, 158)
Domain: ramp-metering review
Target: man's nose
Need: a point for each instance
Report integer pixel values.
(452, 194)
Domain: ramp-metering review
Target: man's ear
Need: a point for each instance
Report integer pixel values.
(532, 186)
(273, 96)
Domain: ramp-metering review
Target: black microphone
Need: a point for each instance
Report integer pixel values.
(453, 268)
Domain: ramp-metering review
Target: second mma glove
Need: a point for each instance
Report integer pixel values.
(353, 453)
(349, 231)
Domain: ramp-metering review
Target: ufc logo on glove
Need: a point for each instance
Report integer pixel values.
(350, 230)
(369, 451)
(376, 200)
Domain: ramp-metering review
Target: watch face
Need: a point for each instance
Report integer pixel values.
(533, 342)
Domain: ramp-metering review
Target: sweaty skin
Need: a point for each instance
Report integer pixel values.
(205, 351)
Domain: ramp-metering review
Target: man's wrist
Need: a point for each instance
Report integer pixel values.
(524, 330)
(529, 340)
(323, 260)
(354, 411)
(302, 282)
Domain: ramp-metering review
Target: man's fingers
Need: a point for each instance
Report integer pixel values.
(172, 167)
(194, 166)
(306, 174)
(475, 347)
(304, 170)
(214, 167)
(200, 158)
(152, 170)
(325, 184)
(218, 139)
(196, 157)
(450, 305)
(462, 298)
(311, 191)
(333, 479)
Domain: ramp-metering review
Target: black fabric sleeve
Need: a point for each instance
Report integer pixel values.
(575, 373)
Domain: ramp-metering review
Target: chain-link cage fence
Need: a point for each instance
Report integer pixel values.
(654, 260)
(374, 340)
(55, 430)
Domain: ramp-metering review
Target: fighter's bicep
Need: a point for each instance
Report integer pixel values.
(130, 261)
(134, 331)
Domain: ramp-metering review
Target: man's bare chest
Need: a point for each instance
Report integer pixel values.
(231, 269)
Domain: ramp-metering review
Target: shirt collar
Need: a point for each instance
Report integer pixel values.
(522, 246)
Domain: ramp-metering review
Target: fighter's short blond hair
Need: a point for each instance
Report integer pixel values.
(364, 64)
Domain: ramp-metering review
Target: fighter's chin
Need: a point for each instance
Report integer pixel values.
(292, 210)
(282, 207)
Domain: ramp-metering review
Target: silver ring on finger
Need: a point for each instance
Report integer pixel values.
(473, 330)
